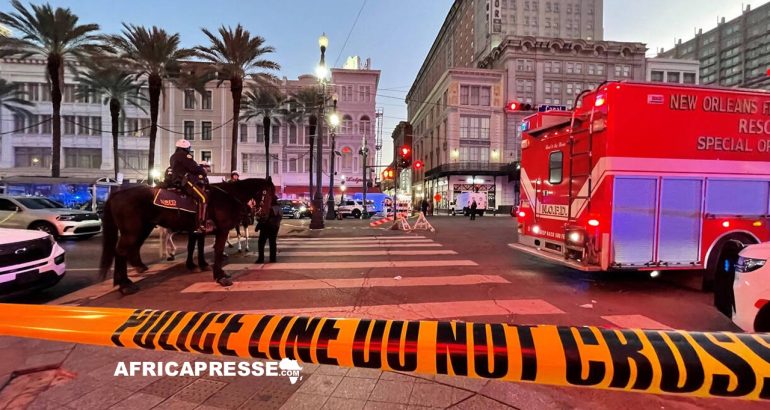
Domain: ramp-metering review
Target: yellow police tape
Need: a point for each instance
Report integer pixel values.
(672, 362)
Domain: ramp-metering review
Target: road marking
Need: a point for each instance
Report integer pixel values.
(635, 322)
(351, 265)
(360, 245)
(270, 285)
(82, 269)
(432, 310)
(362, 242)
(351, 238)
(369, 253)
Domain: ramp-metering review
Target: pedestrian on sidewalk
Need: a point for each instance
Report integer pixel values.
(268, 231)
(473, 210)
(424, 206)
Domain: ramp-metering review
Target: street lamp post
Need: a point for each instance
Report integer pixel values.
(334, 121)
(364, 152)
(317, 221)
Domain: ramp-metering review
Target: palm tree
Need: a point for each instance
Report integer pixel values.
(56, 36)
(119, 89)
(237, 55)
(152, 54)
(13, 99)
(264, 102)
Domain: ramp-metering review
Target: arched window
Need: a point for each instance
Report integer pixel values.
(347, 158)
(347, 125)
(366, 126)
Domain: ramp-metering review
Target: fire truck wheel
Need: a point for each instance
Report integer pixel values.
(721, 271)
(762, 321)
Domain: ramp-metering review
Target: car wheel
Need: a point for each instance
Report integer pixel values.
(356, 214)
(762, 321)
(45, 227)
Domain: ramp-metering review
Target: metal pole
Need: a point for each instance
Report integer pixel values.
(364, 151)
(317, 221)
(330, 202)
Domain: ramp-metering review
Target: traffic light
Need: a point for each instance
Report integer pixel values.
(517, 106)
(418, 164)
(406, 156)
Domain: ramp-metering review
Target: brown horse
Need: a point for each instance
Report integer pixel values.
(130, 216)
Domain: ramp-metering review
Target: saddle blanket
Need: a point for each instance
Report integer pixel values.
(165, 198)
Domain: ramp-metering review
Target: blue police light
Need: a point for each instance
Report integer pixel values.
(524, 125)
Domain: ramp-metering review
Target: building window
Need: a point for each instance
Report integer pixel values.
(364, 93)
(555, 167)
(347, 125)
(475, 95)
(68, 92)
(206, 101)
(134, 159)
(189, 130)
(36, 157)
(292, 134)
(260, 133)
(464, 95)
(206, 130)
(672, 77)
(82, 157)
(688, 78)
(206, 156)
(656, 76)
(189, 99)
(474, 127)
(366, 126)
(275, 134)
(243, 131)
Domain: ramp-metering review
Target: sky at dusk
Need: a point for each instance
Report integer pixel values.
(395, 34)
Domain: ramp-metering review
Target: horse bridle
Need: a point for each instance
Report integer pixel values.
(251, 203)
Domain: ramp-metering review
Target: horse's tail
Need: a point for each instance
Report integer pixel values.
(109, 240)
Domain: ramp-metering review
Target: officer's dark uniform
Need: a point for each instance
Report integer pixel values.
(268, 231)
(192, 178)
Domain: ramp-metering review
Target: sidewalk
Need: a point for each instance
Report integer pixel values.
(69, 376)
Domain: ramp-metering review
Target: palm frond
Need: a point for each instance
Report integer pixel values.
(13, 99)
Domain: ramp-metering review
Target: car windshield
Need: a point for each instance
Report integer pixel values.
(39, 203)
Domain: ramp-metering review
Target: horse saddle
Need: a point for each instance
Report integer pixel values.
(174, 199)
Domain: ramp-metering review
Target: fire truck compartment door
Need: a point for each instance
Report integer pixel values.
(680, 221)
(633, 220)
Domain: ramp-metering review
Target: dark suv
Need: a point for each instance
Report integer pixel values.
(293, 208)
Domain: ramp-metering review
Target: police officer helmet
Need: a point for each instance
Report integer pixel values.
(183, 143)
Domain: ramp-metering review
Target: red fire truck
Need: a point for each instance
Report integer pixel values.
(643, 176)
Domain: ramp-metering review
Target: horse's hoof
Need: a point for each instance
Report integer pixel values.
(142, 269)
(205, 268)
(259, 261)
(170, 258)
(128, 289)
(229, 245)
(225, 281)
(239, 251)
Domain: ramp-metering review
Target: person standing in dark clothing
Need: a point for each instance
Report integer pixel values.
(424, 206)
(268, 231)
(473, 210)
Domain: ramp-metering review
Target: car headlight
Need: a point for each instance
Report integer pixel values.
(748, 264)
(302, 209)
(66, 217)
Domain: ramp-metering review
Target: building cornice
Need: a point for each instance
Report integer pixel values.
(529, 44)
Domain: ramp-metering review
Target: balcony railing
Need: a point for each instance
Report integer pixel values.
(469, 167)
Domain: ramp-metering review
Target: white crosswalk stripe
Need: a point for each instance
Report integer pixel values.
(269, 285)
(395, 269)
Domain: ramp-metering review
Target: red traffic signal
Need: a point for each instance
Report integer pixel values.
(418, 164)
(405, 150)
(517, 106)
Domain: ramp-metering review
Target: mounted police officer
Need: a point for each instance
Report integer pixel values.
(234, 176)
(191, 177)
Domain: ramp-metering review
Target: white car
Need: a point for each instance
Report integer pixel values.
(355, 209)
(752, 289)
(29, 260)
(42, 214)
